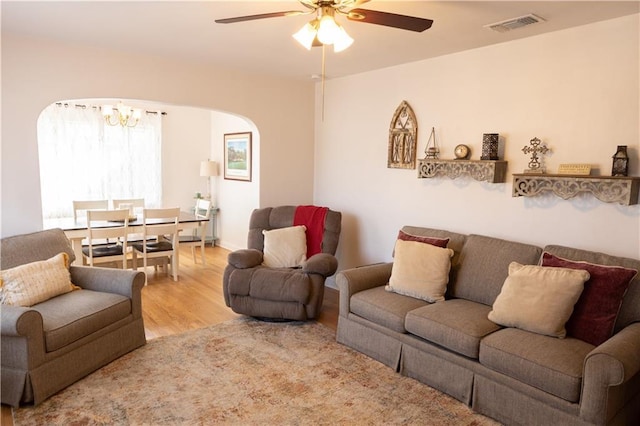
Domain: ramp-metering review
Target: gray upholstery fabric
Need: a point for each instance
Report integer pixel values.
(630, 309)
(27, 248)
(518, 377)
(53, 344)
(252, 289)
(457, 324)
(484, 265)
(384, 307)
(547, 363)
(72, 316)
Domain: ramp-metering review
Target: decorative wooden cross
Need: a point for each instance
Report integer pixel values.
(537, 147)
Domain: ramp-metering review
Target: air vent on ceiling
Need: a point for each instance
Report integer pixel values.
(514, 23)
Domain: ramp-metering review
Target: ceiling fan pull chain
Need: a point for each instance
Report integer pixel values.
(324, 46)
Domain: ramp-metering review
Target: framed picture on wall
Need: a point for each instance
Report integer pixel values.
(237, 156)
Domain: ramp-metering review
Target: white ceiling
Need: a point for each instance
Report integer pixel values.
(186, 30)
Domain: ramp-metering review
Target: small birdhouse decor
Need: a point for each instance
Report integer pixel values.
(620, 162)
(403, 137)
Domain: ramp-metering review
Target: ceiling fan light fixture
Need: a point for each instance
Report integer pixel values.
(328, 30)
(342, 41)
(307, 34)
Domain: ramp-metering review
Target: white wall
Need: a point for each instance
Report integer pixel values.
(577, 90)
(236, 199)
(38, 72)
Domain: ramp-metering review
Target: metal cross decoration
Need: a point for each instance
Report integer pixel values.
(537, 147)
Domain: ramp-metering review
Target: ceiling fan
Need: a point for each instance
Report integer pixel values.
(324, 30)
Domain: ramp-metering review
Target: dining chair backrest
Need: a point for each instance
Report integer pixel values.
(133, 202)
(80, 206)
(161, 223)
(202, 209)
(98, 229)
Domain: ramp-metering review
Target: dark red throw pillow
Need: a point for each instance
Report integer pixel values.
(594, 315)
(438, 242)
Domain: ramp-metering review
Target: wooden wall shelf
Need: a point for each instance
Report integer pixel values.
(608, 189)
(492, 171)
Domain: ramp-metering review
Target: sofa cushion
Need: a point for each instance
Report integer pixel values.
(455, 324)
(72, 316)
(484, 265)
(420, 270)
(384, 308)
(538, 298)
(285, 247)
(550, 364)
(35, 282)
(630, 309)
(594, 315)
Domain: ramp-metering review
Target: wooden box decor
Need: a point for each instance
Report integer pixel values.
(403, 137)
(490, 146)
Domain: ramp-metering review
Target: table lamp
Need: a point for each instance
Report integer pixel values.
(208, 168)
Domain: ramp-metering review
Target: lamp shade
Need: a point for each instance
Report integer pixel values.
(208, 168)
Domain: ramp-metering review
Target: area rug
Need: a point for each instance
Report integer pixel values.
(248, 372)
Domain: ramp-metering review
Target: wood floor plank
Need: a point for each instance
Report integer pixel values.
(194, 301)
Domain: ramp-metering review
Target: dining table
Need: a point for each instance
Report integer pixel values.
(76, 229)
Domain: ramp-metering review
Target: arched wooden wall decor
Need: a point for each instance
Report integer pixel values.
(403, 138)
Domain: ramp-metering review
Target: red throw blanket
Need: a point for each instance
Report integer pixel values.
(313, 218)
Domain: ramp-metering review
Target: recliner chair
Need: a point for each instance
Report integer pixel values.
(252, 289)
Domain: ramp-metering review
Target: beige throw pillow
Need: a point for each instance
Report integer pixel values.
(420, 270)
(538, 299)
(32, 283)
(285, 247)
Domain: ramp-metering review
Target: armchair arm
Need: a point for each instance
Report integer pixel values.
(245, 258)
(124, 282)
(611, 364)
(19, 321)
(322, 263)
(351, 281)
(22, 337)
(107, 280)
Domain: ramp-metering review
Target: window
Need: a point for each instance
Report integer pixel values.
(83, 158)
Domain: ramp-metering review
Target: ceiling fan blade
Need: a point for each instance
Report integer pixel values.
(387, 19)
(260, 16)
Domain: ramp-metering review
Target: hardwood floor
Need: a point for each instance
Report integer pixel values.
(195, 301)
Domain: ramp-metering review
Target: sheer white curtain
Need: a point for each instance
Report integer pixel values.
(83, 158)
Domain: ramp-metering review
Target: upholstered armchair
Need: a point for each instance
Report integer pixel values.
(52, 339)
(256, 284)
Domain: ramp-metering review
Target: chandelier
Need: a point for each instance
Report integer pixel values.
(324, 30)
(121, 114)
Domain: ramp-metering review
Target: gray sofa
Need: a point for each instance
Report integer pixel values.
(52, 344)
(509, 374)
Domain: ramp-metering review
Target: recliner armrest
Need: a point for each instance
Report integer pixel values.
(322, 263)
(245, 258)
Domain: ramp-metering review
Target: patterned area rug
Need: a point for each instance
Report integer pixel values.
(248, 372)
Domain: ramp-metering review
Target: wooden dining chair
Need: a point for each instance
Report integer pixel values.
(136, 203)
(80, 207)
(198, 237)
(97, 251)
(159, 238)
